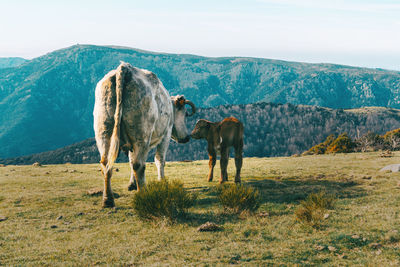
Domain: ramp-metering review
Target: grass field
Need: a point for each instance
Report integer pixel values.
(363, 229)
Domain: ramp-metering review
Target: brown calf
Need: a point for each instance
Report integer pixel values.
(220, 137)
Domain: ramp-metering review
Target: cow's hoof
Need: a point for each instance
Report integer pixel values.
(108, 203)
(132, 187)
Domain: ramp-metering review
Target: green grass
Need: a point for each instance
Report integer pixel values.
(366, 211)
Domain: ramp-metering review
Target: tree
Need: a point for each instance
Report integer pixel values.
(392, 139)
(369, 141)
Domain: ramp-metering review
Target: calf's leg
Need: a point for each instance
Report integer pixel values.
(224, 163)
(238, 161)
(211, 164)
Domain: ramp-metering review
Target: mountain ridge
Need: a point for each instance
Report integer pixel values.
(47, 102)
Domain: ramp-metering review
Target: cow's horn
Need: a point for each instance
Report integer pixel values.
(190, 103)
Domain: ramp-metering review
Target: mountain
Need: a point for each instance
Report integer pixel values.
(270, 130)
(47, 102)
(9, 62)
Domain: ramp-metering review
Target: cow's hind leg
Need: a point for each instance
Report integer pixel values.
(108, 196)
(238, 160)
(137, 159)
(132, 181)
(224, 163)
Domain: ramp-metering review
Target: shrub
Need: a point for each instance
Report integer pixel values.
(163, 199)
(237, 198)
(342, 144)
(311, 211)
(321, 148)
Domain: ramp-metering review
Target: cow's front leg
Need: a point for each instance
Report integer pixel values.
(224, 163)
(159, 158)
(108, 196)
(213, 159)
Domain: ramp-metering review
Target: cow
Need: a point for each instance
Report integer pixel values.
(134, 112)
(220, 137)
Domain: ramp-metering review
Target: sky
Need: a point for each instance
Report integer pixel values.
(352, 32)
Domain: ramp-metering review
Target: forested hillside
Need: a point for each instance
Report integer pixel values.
(270, 130)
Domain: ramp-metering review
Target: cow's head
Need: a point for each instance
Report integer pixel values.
(201, 129)
(179, 131)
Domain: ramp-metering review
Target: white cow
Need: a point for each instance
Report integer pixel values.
(133, 111)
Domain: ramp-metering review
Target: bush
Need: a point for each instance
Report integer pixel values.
(163, 199)
(342, 144)
(237, 198)
(321, 148)
(311, 211)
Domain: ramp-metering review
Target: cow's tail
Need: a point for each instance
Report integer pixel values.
(115, 138)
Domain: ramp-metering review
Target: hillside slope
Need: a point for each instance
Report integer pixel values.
(47, 102)
(9, 62)
(270, 130)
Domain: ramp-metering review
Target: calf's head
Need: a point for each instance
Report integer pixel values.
(179, 131)
(201, 129)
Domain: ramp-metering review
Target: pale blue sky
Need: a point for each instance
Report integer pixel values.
(352, 32)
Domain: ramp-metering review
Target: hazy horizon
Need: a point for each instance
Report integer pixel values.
(353, 32)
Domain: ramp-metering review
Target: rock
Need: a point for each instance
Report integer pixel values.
(326, 216)
(392, 168)
(3, 218)
(386, 154)
(53, 226)
(375, 245)
(95, 192)
(36, 164)
(332, 249)
(113, 210)
(209, 227)
(319, 247)
(72, 171)
(99, 192)
(59, 217)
